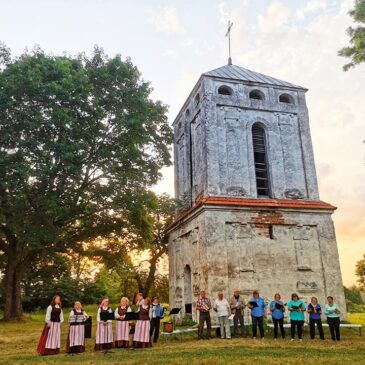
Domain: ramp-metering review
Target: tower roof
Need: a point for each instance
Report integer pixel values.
(233, 72)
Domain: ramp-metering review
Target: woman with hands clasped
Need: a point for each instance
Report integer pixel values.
(332, 311)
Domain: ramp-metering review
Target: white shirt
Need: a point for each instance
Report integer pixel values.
(116, 313)
(98, 315)
(222, 307)
(48, 313)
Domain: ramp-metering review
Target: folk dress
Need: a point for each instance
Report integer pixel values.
(121, 327)
(50, 341)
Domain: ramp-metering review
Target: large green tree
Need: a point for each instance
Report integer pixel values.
(356, 50)
(80, 142)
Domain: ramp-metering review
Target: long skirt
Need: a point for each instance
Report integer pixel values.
(76, 339)
(50, 341)
(142, 334)
(104, 336)
(122, 334)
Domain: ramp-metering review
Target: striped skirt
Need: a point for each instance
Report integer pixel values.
(50, 341)
(104, 336)
(122, 334)
(142, 334)
(76, 339)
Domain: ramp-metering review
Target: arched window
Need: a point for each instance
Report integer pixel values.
(225, 90)
(187, 114)
(257, 95)
(260, 158)
(197, 99)
(286, 98)
(187, 290)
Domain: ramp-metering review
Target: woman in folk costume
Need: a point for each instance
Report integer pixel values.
(104, 330)
(50, 341)
(76, 336)
(122, 326)
(142, 331)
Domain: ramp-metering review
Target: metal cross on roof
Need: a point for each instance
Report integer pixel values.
(228, 34)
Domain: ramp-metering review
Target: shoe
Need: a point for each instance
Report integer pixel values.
(300, 340)
(292, 339)
(254, 338)
(262, 338)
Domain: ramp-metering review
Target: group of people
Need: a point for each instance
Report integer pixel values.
(149, 313)
(233, 309)
(147, 325)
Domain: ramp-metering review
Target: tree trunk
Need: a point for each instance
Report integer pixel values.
(12, 291)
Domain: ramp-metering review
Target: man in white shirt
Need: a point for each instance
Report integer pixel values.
(221, 306)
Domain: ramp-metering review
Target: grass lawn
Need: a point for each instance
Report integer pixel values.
(18, 342)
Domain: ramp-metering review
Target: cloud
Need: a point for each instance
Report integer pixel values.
(277, 14)
(166, 20)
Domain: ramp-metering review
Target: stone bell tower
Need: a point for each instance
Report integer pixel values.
(250, 214)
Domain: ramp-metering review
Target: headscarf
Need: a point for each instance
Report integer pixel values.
(102, 304)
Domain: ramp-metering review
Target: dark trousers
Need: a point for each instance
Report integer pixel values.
(257, 321)
(155, 329)
(238, 321)
(299, 325)
(204, 317)
(279, 323)
(312, 328)
(334, 325)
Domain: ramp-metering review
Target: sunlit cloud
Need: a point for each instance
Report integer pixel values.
(166, 19)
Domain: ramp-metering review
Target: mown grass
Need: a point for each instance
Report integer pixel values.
(18, 342)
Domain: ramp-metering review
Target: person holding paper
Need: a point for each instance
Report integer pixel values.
(277, 309)
(104, 329)
(222, 307)
(50, 341)
(141, 338)
(121, 324)
(237, 304)
(315, 311)
(332, 311)
(76, 336)
(203, 305)
(258, 307)
(296, 308)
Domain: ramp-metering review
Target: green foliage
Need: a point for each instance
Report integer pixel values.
(81, 141)
(360, 271)
(354, 300)
(357, 37)
(353, 294)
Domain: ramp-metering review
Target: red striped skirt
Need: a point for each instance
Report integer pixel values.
(104, 336)
(142, 334)
(76, 339)
(122, 334)
(50, 341)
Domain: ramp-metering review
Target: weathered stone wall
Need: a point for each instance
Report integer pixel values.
(269, 250)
